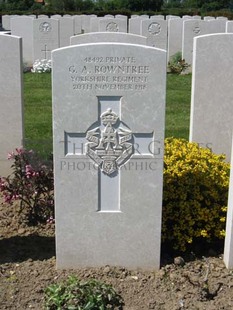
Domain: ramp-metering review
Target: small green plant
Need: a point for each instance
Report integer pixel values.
(177, 64)
(78, 295)
(32, 184)
(194, 195)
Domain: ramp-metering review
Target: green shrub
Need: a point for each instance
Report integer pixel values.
(195, 194)
(177, 64)
(77, 295)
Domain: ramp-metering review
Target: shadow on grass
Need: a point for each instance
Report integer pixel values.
(21, 248)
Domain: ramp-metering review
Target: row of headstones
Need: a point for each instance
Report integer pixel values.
(107, 99)
(41, 36)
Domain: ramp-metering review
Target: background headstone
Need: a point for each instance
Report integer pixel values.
(45, 37)
(66, 30)
(112, 25)
(211, 117)
(108, 37)
(156, 32)
(22, 26)
(119, 89)
(11, 99)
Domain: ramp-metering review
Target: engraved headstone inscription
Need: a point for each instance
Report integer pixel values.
(108, 123)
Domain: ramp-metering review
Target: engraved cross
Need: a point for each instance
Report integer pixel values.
(110, 144)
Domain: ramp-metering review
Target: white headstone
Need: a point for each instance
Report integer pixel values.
(86, 22)
(191, 29)
(11, 99)
(42, 16)
(197, 17)
(112, 25)
(56, 16)
(22, 26)
(108, 120)
(96, 37)
(216, 26)
(135, 25)
(187, 17)
(228, 246)
(6, 22)
(211, 117)
(222, 18)
(77, 24)
(157, 17)
(121, 16)
(175, 28)
(45, 37)
(209, 18)
(66, 30)
(156, 32)
(229, 26)
(171, 16)
(94, 24)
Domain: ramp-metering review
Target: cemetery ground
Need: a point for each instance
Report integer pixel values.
(27, 253)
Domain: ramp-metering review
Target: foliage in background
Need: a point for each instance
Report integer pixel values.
(32, 184)
(176, 7)
(194, 195)
(177, 65)
(77, 295)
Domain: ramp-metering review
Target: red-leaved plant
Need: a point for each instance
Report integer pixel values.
(31, 182)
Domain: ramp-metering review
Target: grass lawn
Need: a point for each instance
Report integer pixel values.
(38, 109)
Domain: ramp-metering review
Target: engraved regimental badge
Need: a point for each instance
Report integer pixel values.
(112, 27)
(45, 27)
(110, 145)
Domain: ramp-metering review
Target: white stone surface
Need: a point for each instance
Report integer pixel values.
(175, 28)
(229, 26)
(42, 16)
(66, 30)
(222, 18)
(171, 16)
(197, 17)
(212, 93)
(157, 17)
(96, 37)
(22, 26)
(6, 22)
(122, 16)
(86, 22)
(97, 212)
(193, 28)
(112, 25)
(45, 37)
(77, 24)
(94, 24)
(11, 99)
(156, 32)
(209, 18)
(228, 246)
(56, 16)
(135, 24)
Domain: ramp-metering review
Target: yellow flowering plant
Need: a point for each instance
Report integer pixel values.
(195, 194)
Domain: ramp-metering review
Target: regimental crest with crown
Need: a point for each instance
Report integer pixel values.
(109, 146)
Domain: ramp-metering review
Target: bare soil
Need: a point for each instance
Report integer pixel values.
(27, 267)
